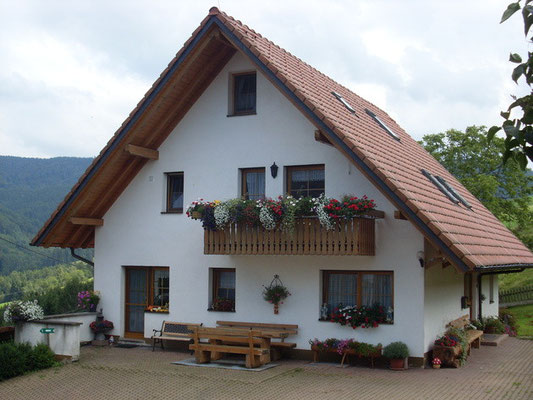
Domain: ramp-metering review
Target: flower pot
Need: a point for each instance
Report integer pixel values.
(276, 309)
(397, 364)
(436, 366)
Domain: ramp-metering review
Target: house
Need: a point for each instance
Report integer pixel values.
(230, 106)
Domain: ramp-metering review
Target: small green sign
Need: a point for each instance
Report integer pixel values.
(47, 330)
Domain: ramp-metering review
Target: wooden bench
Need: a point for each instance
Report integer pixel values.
(172, 331)
(274, 331)
(221, 341)
(473, 335)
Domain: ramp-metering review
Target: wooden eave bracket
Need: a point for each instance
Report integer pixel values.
(86, 221)
(320, 137)
(399, 215)
(143, 152)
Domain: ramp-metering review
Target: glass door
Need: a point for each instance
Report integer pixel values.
(136, 301)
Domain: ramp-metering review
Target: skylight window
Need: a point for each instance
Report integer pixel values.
(382, 124)
(452, 190)
(440, 186)
(346, 104)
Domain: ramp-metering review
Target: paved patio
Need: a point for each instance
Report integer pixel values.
(503, 372)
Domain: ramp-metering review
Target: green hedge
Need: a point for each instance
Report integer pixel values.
(19, 358)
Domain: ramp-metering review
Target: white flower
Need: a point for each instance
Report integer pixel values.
(267, 218)
(221, 216)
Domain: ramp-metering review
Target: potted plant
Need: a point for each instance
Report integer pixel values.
(275, 293)
(88, 300)
(436, 362)
(223, 304)
(397, 352)
(21, 311)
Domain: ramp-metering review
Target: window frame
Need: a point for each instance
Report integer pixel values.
(149, 272)
(170, 175)
(312, 167)
(327, 272)
(246, 171)
(152, 286)
(215, 285)
(233, 94)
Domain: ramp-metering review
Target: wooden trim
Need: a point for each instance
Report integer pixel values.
(246, 171)
(320, 137)
(314, 167)
(142, 152)
(169, 176)
(378, 214)
(86, 221)
(399, 215)
(327, 273)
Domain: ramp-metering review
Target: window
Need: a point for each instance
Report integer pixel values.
(223, 296)
(306, 180)
(382, 124)
(160, 287)
(440, 186)
(253, 183)
(344, 102)
(174, 192)
(244, 93)
(358, 288)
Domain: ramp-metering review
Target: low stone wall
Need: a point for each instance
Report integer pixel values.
(86, 335)
(64, 341)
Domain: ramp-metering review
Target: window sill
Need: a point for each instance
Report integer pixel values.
(157, 312)
(241, 114)
(172, 212)
(211, 310)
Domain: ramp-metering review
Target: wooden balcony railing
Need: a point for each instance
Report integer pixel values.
(351, 237)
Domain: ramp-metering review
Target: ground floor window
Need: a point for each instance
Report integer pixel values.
(357, 288)
(223, 289)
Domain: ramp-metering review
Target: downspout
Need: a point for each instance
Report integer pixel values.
(78, 257)
(479, 294)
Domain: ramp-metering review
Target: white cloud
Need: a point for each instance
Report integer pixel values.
(72, 71)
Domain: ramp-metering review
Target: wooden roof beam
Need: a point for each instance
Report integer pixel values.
(399, 215)
(86, 221)
(143, 152)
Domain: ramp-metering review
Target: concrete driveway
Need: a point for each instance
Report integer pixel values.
(503, 372)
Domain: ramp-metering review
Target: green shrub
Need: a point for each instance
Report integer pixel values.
(19, 358)
(61, 300)
(396, 350)
(478, 324)
(42, 357)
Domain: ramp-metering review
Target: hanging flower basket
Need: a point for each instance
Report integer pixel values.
(275, 293)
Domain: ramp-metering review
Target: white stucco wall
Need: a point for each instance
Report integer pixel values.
(444, 288)
(209, 148)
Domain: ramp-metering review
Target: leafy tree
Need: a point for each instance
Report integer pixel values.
(505, 190)
(518, 130)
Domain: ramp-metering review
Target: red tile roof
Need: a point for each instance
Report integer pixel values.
(468, 237)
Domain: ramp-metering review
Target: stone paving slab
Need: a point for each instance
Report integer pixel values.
(502, 372)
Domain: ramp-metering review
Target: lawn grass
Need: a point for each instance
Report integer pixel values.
(524, 317)
(513, 281)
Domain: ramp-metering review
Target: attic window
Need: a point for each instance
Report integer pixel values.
(440, 186)
(454, 192)
(346, 104)
(382, 124)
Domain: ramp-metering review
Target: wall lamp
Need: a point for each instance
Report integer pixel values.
(420, 256)
(274, 170)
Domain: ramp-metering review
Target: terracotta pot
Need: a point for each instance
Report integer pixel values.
(397, 364)
(436, 366)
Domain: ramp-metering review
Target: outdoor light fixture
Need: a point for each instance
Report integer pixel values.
(420, 256)
(274, 170)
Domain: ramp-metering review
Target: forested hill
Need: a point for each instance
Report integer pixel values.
(30, 190)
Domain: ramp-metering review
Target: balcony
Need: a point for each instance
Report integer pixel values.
(351, 237)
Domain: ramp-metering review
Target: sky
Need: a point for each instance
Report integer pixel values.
(71, 71)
